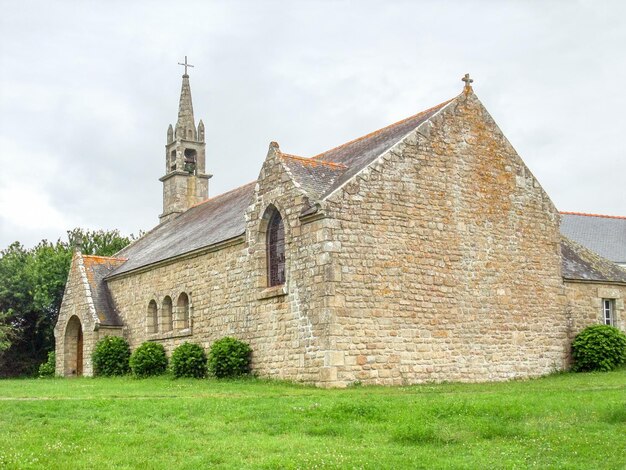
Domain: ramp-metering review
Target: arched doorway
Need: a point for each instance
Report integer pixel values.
(73, 347)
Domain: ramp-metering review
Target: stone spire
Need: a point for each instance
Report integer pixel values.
(186, 125)
(186, 182)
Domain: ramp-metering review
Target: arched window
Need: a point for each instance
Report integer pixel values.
(275, 241)
(183, 310)
(166, 314)
(152, 322)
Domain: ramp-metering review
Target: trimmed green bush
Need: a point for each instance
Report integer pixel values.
(189, 360)
(47, 369)
(110, 356)
(229, 357)
(148, 359)
(599, 347)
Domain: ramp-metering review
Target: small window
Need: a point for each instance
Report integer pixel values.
(608, 311)
(275, 250)
(166, 314)
(152, 321)
(183, 310)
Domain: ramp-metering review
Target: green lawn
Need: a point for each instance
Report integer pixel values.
(562, 421)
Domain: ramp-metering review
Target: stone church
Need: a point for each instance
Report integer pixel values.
(423, 251)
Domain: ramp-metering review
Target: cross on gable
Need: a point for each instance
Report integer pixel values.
(468, 81)
(185, 64)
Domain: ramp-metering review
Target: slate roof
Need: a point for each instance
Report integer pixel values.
(215, 220)
(359, 153)
(222, 217)
(322, 174)
(606, 235)
(96, 269)
(314, 176)
(582, 264)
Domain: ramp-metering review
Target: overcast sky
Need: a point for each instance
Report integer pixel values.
(87, 90)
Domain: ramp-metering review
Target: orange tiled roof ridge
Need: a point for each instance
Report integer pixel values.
(593, 215)
(313, 161)
(105, 257)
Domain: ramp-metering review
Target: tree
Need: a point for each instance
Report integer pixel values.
(6, 334)
(31, 290)
(15, 304)
(99, 242)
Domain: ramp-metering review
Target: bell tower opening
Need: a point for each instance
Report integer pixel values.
(173, 160)
(190, 161)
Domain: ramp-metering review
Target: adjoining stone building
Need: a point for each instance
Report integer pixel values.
(604, 234)
(424, 251)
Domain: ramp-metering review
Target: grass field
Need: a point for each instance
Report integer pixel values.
(562, 421)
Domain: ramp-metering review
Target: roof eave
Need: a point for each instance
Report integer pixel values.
(593, 281)
(199, 251)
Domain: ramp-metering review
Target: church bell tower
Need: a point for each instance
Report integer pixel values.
(185, 182)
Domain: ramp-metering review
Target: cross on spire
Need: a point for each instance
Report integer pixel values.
(468, 81)
(185, 64)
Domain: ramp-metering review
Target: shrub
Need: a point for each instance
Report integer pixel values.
(47, 369)
(148, 359)
(229, 357)
(110, 356)
(599, 347)
(189, 360)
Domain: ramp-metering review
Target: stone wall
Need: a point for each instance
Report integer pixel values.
(449, 256)
(441, 261)
(584, 301)
(286, 326)
(77, 306)
(300, 329)
(182, 190)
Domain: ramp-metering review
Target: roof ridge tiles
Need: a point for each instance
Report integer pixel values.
(593, 215)
(105, 257)
(371, 134)
(313, 162)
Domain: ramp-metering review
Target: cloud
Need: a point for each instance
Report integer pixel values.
(90, 87)
(25, 207)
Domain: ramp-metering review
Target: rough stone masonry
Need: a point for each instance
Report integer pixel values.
(424, 251)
